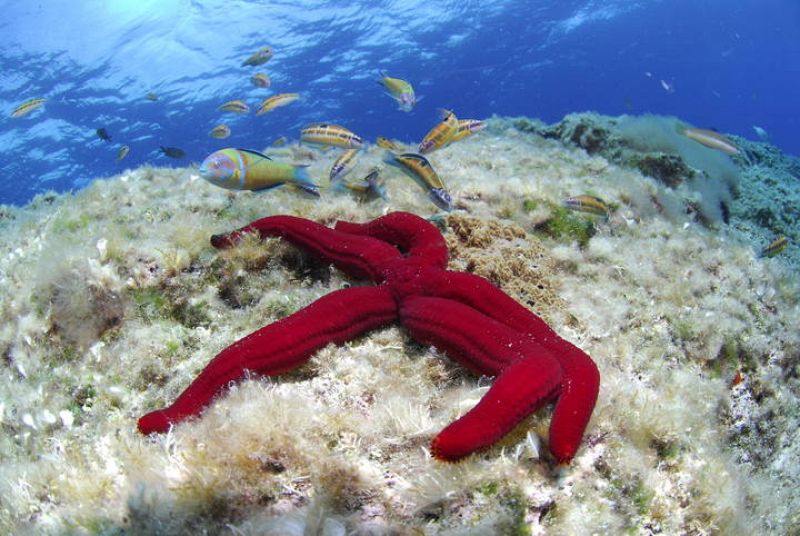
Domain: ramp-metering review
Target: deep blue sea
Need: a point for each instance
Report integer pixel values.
(713, 63)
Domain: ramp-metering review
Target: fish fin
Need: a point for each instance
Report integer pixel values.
(255, 153)
(270, 187)
(416, 156)
(443, 112)
(307, 190)
(375, 185)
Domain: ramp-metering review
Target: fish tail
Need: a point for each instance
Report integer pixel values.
(308, 191)
(389, 158)
(379, 189)
(304, 181)
(338, 186)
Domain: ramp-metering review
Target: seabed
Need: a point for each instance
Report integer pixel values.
(112, 300)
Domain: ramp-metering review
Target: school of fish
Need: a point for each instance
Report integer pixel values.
(247, 169)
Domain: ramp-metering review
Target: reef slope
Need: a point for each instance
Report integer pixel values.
(112, 299)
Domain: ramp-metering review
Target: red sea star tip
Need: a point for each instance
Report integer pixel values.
(461, 314)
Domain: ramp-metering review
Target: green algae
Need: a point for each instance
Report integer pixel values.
(563, 225)
(154, 304)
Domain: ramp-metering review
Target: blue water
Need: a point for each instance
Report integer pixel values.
(718, 64)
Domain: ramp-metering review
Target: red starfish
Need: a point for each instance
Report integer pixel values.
(460, 313)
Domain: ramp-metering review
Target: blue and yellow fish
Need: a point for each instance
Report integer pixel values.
(399, 90)
(420, 170)
(244, 169)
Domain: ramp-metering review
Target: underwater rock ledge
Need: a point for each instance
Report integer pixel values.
(695, 337)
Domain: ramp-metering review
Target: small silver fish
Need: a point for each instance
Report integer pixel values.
(123, 152)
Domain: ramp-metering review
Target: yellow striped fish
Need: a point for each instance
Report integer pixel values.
(235, 106)
(277, 101)
(467, 127)
(220, 132)
(27, 107)
(775, 247)
(588, 204)
(420, 170)
(243, 169)
(387, 144)
(344, 164)
(260, 80)
(370, 187)
(325, 134)
(711, 139)
(441, 134)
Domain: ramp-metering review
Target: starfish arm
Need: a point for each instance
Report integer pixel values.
(522, 388)
(481, 344)
(358, 256)
(480, 294)
(582, 379)
(528, 375)
(412, 234)
(575, 404)
(281, 346)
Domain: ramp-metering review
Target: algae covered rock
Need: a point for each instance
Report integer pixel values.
(668, 169)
